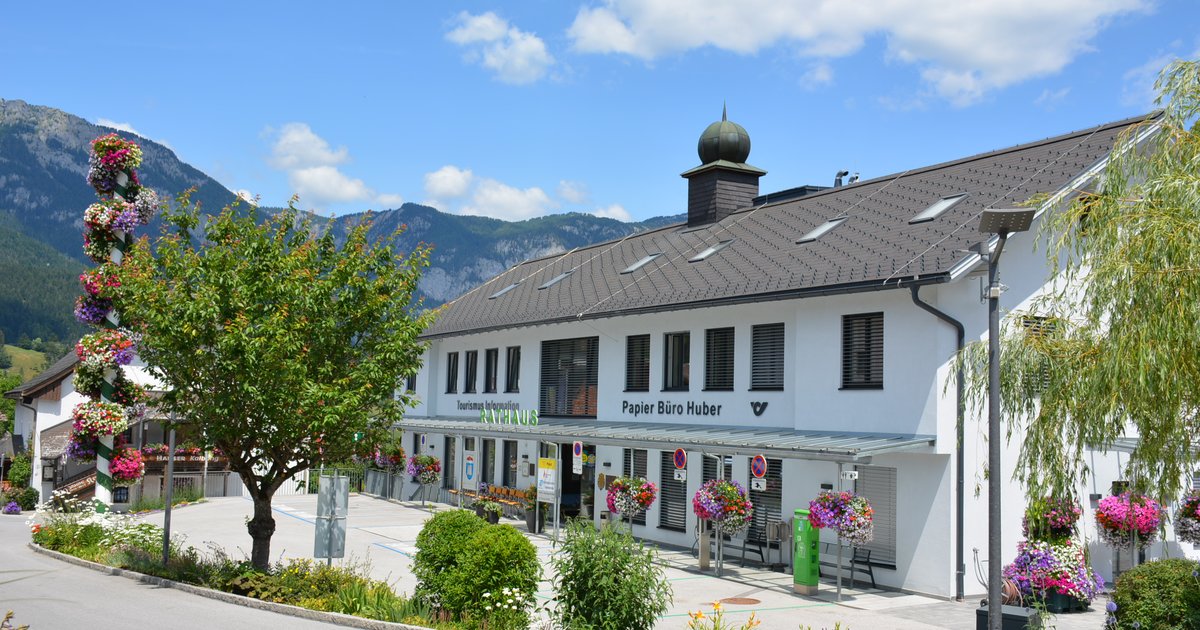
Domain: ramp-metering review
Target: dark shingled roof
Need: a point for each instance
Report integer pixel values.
(47, 379)
(876, 247)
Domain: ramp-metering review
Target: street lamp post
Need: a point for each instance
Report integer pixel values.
(1000, 222)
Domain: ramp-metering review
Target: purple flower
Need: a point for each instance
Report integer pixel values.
(12, 508)
(1111, 607)
(91, 310)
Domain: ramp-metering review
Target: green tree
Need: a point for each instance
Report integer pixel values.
(7, 405)
(274, 344)
(5, 358)
(1112, 349)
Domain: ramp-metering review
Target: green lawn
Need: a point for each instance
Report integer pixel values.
(26, 363)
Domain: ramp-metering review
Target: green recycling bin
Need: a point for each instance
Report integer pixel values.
(806, 568)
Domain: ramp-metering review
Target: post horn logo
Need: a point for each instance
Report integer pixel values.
(758, 408)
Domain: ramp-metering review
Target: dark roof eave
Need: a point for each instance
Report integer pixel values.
(841, 289)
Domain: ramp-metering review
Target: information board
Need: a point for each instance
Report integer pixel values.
(547, 479)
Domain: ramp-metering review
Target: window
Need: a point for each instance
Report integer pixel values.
(634, 465)
(878, 485)
(718, 359)
(504, 290)
(821, 230)
(510, 463)
(556, 279)
(641, 263)
(676, 364)
(452, 373)
(569, 373)
(938, 207)
(710, 251)
(637, 363)
(410, 384)
(472, 368)
(673, 501)
(862, 351)
(491, 357)
(449, 475)
(766, 357)
(709, 469)
(512, 370)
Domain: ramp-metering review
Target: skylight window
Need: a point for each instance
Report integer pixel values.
(641, 263)
(820, 230)
(556, 279)
(938, 207)
(710, 251)
(504, 290)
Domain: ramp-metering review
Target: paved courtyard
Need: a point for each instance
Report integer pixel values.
(383, 534)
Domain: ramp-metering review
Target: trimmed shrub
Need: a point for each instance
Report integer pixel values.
(1161, 594)
(441, 541)
(635, 590)
(496, 558)
(28, 499)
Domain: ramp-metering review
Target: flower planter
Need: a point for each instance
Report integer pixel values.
(493, 517)
(535, 524)
(1058, 603)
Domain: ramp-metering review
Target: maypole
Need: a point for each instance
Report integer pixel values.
(114, 400)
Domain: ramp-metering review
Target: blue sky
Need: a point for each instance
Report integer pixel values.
(517, 110)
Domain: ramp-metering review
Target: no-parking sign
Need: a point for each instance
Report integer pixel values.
(577, 458)
(758, 466)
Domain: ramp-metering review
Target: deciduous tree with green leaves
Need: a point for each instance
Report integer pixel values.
(275, 343)
(1112, 349)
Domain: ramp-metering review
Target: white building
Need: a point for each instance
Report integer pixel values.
(813, 326)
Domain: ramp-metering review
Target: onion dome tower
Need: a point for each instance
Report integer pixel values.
(723, 183)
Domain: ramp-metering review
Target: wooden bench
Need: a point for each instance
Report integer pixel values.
(858, 562)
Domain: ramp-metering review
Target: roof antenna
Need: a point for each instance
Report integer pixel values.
(837, 179)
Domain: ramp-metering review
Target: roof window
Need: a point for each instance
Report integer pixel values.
(938, 207)
(504, 290)
(556, 279)
(820, 230)
(710, 251)
(641, 263)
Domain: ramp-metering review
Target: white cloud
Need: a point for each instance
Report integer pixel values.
(321, 185)
(615, 211)
(448, 182)
(1138, 89)
(501, 201)
(515, 56)
(296, 146)
(128, 128)
(818, 74)
(1049, 99)
(247, 196)
(962, 49)
(572, 192)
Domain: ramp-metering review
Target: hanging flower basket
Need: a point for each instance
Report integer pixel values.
(93, 419)
(1119, 518)
(1051, 519)
(126, 467)
(1187, 519)
(80, 448)
(106, 348)
(110, 155)
(1042, 570)
(848, 514)
(630, 496)
(388, 457)
(725, 503)
(426, 468)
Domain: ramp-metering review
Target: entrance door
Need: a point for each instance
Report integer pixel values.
(572, 484)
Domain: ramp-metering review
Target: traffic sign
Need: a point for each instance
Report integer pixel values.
(680, 458)
(577, 459)
(758, 484)
(758, 466)
(680, 474)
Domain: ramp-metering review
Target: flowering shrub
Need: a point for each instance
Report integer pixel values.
(11, 508)
(386, 456)
(724, 503)
(849, 514)
(1119, 517)
(126, 467)
(1187, 519)
(106, 348)
(93, 419)
(154, 449)
(1041, 568)
(630, 496)
(716, 621)
(426, 468)
(1051, 519)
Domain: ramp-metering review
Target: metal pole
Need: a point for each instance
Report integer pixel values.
(462, 463)
(995, 559)
(557, 490)
(169, 492)
(839, 542)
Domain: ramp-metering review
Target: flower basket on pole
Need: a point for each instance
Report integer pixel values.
(1187, 520)
(428, 471)
(630, 496)
(1128, 517)
(725, 504)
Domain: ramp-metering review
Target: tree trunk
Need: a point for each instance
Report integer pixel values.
(261, 528)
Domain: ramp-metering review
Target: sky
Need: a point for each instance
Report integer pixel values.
(520, 110)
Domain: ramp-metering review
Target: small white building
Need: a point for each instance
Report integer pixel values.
(814, 326)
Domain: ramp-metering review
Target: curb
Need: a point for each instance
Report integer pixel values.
(339, 619)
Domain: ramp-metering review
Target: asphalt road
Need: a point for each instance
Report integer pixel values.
(47, 594)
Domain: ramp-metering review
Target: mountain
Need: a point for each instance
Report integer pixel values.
(43, 192)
